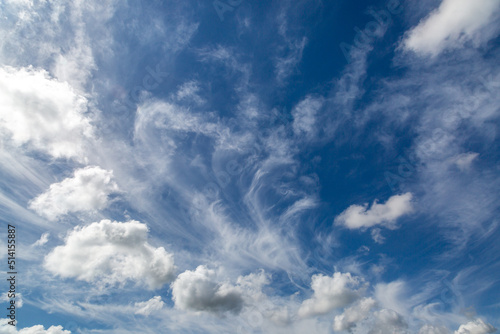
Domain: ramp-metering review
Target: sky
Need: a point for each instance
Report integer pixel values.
(236, 166)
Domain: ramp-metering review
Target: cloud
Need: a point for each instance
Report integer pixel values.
(388, 321)
(357, 216)
(428, 329)
(43, 113)
(451, 25)
(304, 115)
(150, 306)
(87, 190)
(38, 329)
(353, 315)
(111, 252)
(19, 299)
(330, 293)
(44, 238)
(199, 291)
(477, 326)
(464, 161)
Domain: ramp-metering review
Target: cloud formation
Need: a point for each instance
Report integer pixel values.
(357, 216)
(330, 293)
(87, 190)
(43, 113)
(109, 253)
(150, 306)
(451, 25)
(199, 290)
(353, 315)
(477, 326)
(5, 328)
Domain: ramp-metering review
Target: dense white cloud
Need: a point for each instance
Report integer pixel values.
(304, 115)
(87, 190)
(330, 293)
(150, 306)
(353, 315)
(5, 328)
(43, 113)
(477, 326)
(111, 252)
(199, 291)
(357, 216)
(451, 25)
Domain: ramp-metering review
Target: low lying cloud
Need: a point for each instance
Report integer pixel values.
(199, 291)
(330, 293)
(43, 113)
(87, 190)
(357, 216)
(451, 25)
(5, 328)
(353, 315)
(477, 326)
(111, 252)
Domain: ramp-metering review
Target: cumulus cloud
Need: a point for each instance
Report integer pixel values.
(150, 306)
(357, 216)
(451, 25)
(43, 113)
(388, 321)
(199, 291)
(38, 329)
(330, 293)
(477, 326)
(88, 189)
(353, 315)
(111, 252)
(304, 115)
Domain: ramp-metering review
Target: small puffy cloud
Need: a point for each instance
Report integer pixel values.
(150, 306)
(111, 252)
(449, 26)
(43, 113)
(87, 190)
(477, 326)
(304, 115)
(199, 290)
(357, 216)
(330, 293)
(353, 315)
(5, 328)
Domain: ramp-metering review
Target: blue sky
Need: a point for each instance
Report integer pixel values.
(251, 167)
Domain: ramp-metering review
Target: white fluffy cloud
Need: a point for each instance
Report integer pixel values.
(43, 113)
(111, 252)
(330, 293)
(389, 321)
(357, 216)
(353, 315)
(5, 328)
(477, 326)
(150, 306)
(88, 189)
(199, 291)
(449, 26)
